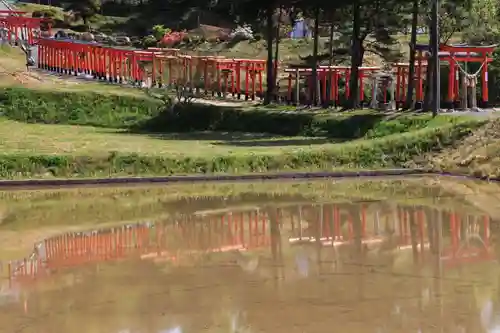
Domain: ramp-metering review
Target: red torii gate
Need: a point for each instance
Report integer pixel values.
(15, 22)
(459, 252)
(466, 53)
(243, 230)
(453, 54)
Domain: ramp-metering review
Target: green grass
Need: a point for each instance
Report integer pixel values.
(16, 137)
(68, 140)
(390, 151)
(56, 13)
(141, 113)
(13, 74)
(478, 154)
(131, 136)
(102, 109)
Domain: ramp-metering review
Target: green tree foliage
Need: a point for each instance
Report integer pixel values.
(482, 25)
(373, 27)
(356, 27)
(84, 9)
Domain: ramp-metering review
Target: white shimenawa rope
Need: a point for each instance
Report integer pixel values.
(469, 76)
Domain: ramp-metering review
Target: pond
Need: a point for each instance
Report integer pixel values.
(364, 255)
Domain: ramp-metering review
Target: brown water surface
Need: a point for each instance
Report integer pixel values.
(300, 264)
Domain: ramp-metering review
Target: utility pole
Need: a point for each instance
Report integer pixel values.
(435, 58)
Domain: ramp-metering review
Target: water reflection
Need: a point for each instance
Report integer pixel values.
(367, 267)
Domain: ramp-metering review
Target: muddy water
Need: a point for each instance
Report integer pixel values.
(294, 265)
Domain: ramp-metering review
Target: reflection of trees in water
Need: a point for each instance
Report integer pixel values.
(192, 204)
(368, 282)
(383, 264)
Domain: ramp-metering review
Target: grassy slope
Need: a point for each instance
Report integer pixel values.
(360, 139)
(390, 151)
(477, 154)
(290, 51)
(85, 141)
(66, 139)
(13, 74)
(17, 137)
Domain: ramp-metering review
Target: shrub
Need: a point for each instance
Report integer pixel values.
(241, 33)
(113, 111)
(196, 117)
(159, 31)
(149, 41)
(142, 114)
(258, 36)
(173, 38)
(46, 12)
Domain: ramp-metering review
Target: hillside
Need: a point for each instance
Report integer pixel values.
(13, 73)
(478, 154)
(291, 51)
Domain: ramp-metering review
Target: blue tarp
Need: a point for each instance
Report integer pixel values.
(300, 30)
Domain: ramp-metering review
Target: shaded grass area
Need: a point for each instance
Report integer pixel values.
(283, 121)
(16, 137)
(142, 115)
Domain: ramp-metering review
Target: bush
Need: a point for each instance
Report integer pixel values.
(149, 41)
(112, 111)
(37, 13)
(159, 31)
(196, 117)
(241, 33)
(46, 12)
(143, 115)
(258, 36)
(173, 38)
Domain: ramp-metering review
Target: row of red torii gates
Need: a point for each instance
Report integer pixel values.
(240, 77)
(251, 229)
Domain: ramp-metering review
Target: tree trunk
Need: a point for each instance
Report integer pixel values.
(276, 245)
(276, 52)
(86, 22)
(330, 61)
(411, 70)
(434, 41)
(413, 235)
(356, 56)
(314, 77)
(270, 33)
(428, 76)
